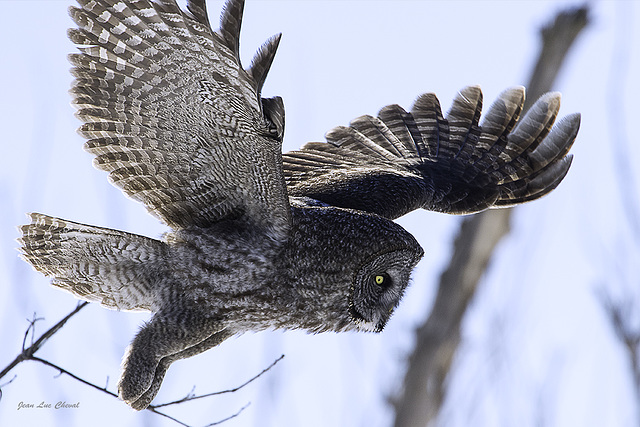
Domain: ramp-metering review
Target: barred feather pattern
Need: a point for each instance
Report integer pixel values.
(171, 114)
(114, 268)
(453, 164)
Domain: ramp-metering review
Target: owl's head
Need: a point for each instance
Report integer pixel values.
(352, 267)
(379, 284)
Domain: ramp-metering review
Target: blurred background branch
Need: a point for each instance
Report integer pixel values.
(437, 339)
(620, 299)
(620, 314)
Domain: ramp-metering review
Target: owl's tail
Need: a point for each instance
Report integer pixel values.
(114, 268)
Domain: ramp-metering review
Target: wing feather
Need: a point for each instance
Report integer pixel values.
(172, 116)
(399, 161)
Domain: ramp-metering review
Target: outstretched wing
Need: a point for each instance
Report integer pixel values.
(173, 117)
(400, 161)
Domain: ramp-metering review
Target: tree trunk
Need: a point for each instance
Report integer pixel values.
(438, 337)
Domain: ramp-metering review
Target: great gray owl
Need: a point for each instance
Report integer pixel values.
(261, 240)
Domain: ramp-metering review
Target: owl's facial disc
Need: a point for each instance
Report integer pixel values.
(378, 287)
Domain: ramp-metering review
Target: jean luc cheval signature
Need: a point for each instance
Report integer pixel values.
(45, 405)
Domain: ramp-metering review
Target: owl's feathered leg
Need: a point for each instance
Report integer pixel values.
(145, 399)
(169, 336)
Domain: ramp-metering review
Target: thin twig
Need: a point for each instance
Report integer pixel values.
(102, 389)
(75, 377)
(8, 382)
(229, 417)
(27, 353)
(151, 408)
(191, 397)
(32, 328)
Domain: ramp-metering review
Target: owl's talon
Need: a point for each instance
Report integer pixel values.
(137, 377)
(131, 392)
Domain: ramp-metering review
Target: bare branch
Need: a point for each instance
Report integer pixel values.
(437, 339)
(27, 353)
(622, 310)
(557, 38)
(190, 396)
(32, 329)
(620, 313)
(75, 377)
(150, 408)
(7, 383)
(439, 336)
(229, 417)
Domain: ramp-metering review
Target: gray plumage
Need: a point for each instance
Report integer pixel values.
(261, 241)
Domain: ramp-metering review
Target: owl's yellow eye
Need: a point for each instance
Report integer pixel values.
(383, 280)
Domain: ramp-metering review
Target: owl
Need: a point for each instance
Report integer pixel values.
(260, 239)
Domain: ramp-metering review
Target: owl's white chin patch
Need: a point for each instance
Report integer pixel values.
(370, 326)
(363, 325)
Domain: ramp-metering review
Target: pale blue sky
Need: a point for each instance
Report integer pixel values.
(537, 348)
